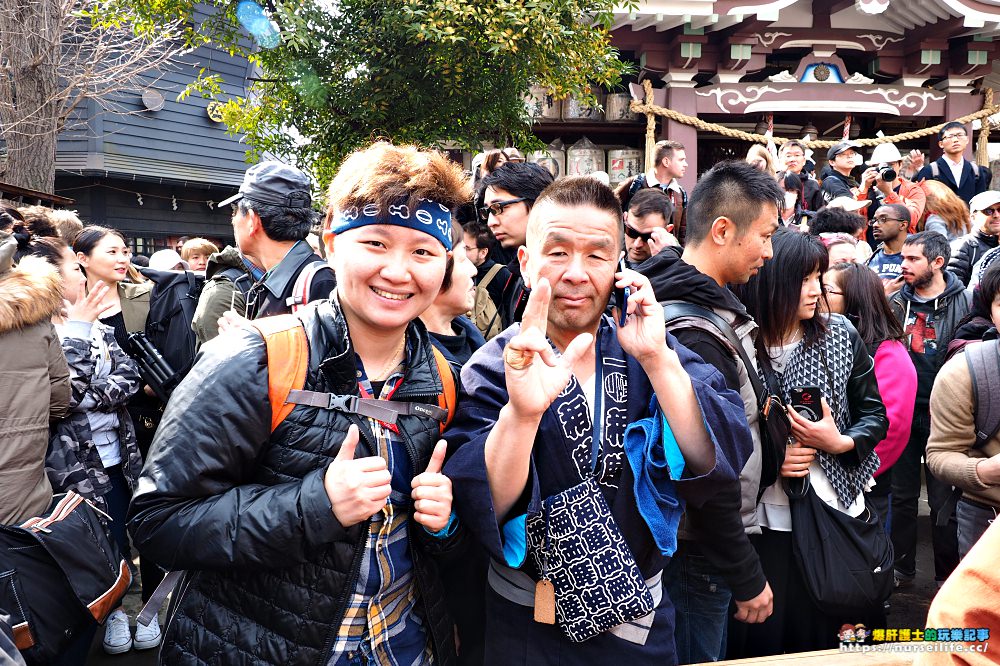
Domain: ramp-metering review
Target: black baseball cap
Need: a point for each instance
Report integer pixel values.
(275, 184)
(841, 147)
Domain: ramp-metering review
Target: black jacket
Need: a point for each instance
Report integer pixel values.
(973, 247)
(716, 527)
(970, 186)
(947, 311)
(245, 511)
(269, 296)
(834, 184)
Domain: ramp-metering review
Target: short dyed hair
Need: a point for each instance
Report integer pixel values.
(385, 175)
(201, 246)
(734, 190)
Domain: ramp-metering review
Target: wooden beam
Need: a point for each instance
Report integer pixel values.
(669, 23)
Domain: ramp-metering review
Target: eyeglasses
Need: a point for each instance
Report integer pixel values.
(635, 233)
(883, 220)
(834, 292)
(497, 207)
(990, 212)
(954, 135)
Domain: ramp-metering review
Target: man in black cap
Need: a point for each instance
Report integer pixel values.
(836, 176)
(271, 220)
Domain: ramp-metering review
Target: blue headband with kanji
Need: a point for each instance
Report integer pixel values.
(428, 216)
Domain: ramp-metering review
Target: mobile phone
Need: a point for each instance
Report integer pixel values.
(621, 296)
(806, 400)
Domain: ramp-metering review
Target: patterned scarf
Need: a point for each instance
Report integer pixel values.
(574, 414)
(827, 364)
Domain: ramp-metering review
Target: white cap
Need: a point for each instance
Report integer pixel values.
(847, 203)
(167, 260)
(885, 153)
(984, 200)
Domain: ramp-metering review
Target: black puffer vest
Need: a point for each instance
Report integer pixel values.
(283, 614)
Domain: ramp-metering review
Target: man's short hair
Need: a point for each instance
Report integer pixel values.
(932, 244)
(520, 179)
(950, 126)
(484, 237)
(836, 220)
(37, 221)
(280, 223)
(665, 150)
(793, 143)
(899, 211)
(578, 191)
(734, 190)
(651, 200)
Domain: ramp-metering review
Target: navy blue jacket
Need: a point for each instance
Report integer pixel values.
(970, 185)
(514, 636)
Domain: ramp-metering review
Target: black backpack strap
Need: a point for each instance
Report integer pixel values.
(983, 360)
(679, 309)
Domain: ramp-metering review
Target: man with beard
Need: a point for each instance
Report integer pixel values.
(889, 228)
(929, 306)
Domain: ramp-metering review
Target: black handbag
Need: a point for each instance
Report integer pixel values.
(58, 574)
(845, 562)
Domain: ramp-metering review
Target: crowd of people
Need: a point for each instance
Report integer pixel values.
(511, 418)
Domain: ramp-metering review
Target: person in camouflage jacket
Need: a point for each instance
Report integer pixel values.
(103, 378)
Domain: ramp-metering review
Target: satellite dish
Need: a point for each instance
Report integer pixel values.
(152, 99)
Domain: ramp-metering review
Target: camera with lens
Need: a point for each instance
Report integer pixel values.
(886, 173)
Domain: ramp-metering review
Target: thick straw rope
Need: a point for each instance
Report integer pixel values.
(652, 110)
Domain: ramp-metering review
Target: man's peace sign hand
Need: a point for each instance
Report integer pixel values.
(534, 374)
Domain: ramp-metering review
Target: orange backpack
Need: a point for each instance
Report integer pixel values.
(285, 339)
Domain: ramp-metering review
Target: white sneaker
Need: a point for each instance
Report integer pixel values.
(117, 635)
(147, 636)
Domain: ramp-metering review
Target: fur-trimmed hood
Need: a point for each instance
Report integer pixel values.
(31, 292)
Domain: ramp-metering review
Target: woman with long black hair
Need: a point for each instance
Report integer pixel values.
(799, 348)
(856, 292)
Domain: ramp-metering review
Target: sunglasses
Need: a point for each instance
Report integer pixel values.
(634, 233)
(990, 212)
(497, 207)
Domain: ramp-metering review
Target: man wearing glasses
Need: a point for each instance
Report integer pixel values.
(985, 208)
(510, 192)
(965, 178)
(646, 228)
(889, 229)
(670, 165)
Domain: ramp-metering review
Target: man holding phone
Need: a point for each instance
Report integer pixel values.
(567, 397)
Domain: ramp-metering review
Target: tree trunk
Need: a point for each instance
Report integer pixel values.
(29, 88)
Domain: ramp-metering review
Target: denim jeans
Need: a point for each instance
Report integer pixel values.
(701, 605)
(972, 522)
(905, 498)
